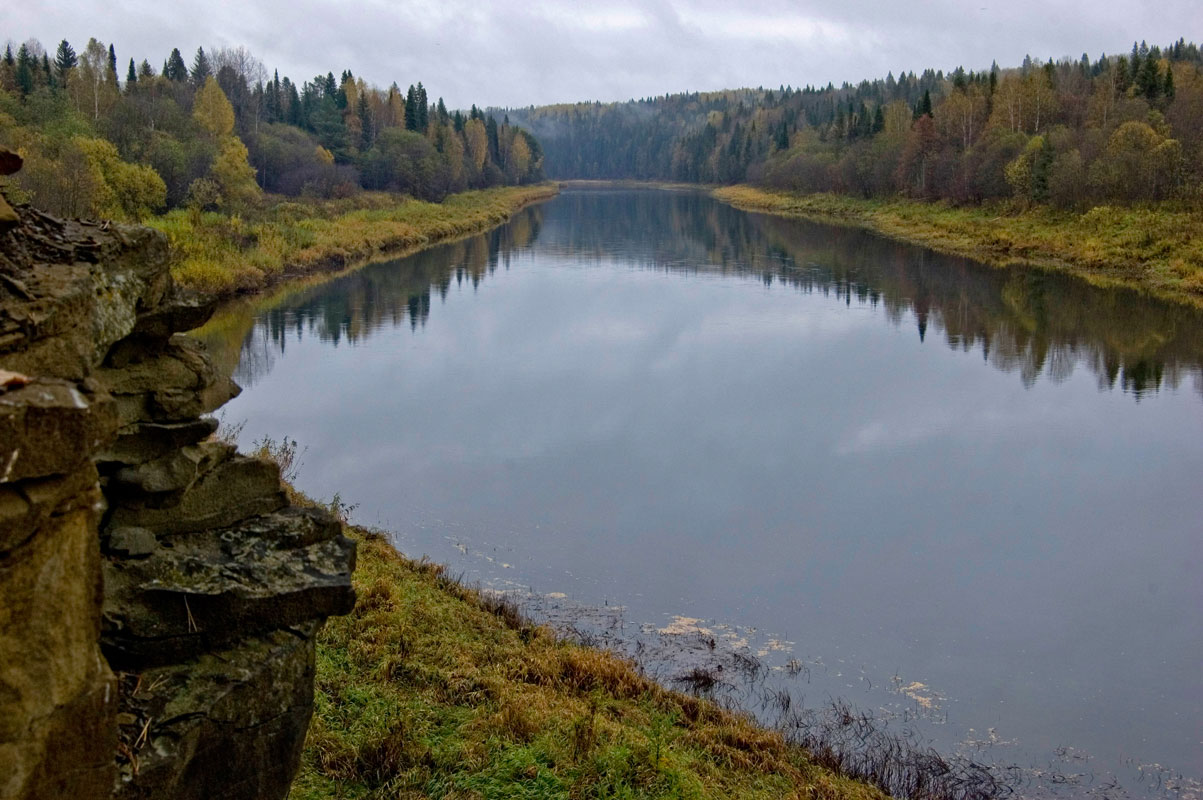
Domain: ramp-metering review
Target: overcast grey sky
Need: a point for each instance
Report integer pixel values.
(544, 51)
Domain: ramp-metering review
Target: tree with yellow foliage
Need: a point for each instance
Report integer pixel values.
(231, 170)
(518, 159)
(477, 142)
(85, 177)
(212, 110)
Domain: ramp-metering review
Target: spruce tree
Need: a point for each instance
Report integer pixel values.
(112, 62)
(494, 142)
(295, 115)
(24, 73)
(174, 68)
(1150, 79)
(131, 77)
(1122, 76)
(411, 109)
(925, 104)
(145, 70)
(65, 60)
(47, 74)
(367, 126)
(9, 61)
(271, 99)
(1168, 88)
(423, 109)
(201, 71)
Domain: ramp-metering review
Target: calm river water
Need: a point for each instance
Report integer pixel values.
(967, 500)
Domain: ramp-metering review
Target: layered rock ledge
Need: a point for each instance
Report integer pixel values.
(160, 595)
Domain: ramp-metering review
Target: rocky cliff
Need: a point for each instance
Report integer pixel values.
(158, 595)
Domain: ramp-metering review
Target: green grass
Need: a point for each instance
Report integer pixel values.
(429, 689)
(219, 254)
(1156, 249)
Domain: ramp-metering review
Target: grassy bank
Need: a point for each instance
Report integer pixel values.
(222, 255)
(1159, 250)
(429, 689)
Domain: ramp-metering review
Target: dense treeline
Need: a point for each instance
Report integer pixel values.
(106, 141)
(1123, 128)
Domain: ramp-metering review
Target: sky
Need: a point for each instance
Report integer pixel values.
(506, 53)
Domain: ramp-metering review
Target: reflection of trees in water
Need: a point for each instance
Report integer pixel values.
(1027, 321)
(351, 308)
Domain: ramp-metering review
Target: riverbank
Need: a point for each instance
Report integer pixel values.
(629, 183)
(429, 688)
(1157, 250)
(220, 255)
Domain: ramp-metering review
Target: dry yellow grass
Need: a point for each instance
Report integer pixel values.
(218, 254)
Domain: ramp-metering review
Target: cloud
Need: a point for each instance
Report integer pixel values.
(541, 51)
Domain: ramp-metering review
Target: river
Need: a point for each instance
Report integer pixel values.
(965, 499)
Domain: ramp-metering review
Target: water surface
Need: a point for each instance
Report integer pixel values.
(964, 495)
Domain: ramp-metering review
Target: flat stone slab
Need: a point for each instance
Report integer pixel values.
(146, 441)
(236, 489)
(206, 588)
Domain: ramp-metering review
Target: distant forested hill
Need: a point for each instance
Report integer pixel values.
(105, 138)
(1120, 128)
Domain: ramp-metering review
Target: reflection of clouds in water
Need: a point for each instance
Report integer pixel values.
(1029, 322)
(708, 484)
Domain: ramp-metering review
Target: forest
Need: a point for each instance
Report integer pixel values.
(1068, 133)
(124, 141)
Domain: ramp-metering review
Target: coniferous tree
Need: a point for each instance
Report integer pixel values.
(411, 109)
(367, 131)
(65, 60)
(112, 62)
(131, 77)
(271, 98)
(201, 71)
(145, 70)
(493, 140)
(1123, 77)
(295, 114)
(1168, 88)
(423, 109)
(782, 138)
(24, 72)
(9, 61)
(47, 74)
(1149, 79)
(174, 68)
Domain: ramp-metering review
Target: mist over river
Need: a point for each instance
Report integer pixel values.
(965, 499)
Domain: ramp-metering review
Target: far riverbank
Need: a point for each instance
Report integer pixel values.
(1158, 250)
